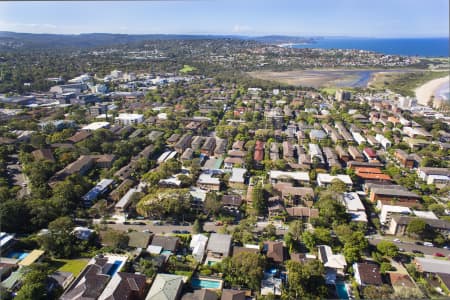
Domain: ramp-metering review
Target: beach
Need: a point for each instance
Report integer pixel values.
(424, 92)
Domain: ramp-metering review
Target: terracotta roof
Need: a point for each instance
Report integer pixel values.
(398, 279)
(369, 273)
(275, 251)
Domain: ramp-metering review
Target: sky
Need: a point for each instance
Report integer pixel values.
(353, 18)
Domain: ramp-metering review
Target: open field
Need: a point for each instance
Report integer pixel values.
(187, 69)
(324, 78)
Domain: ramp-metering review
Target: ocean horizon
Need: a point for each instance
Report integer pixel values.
(424, 47)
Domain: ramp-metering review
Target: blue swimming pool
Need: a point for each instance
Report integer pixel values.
(114, 268)
(198, 283)
(341, 290)
(17, 255)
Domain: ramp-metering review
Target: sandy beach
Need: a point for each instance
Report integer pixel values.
(424, 92)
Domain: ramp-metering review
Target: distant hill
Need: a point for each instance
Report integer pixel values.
(31, 40)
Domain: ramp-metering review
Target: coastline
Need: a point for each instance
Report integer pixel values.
(424, 92)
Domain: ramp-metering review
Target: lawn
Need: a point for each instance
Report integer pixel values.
(187, 69)
(70, 265)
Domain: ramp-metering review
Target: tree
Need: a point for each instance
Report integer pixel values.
(197, 227)
(338, 186)
(34, 283)
(59, 241)
(305, 280)
(387, 248)
(296, 229)
(258, 199)
(377, 292)
(417, 227)
(244, 269)
(115, 239)
(212, 204)
(384, 267)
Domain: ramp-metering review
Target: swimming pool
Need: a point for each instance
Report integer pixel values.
(114, 268)
(198, 283)
(17, 255)
(341, 290)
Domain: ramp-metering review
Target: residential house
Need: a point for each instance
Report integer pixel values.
(305, 214)
(125, 286)
(202, 294)
(197, 142)
(324, 179)
(354, 207)
(275, 251)
(389, 195)
(405, 160)
(288, 150)
(383, 141)
(368, 174)
(43, 154)
(99, 189)
(316, 154)
(317, 135)
(437, 176)
(79, 137)
(187, 155)
(228, 294)
(399, 224)
(137, 239)
(167, 243)
(238, 146)
(355, 153)
(388, 211)
(219, 247)
(285, 176)
(173, 139)
(209, 146)
(367, 274)
(129, 119)
(81, 166)
(294, 195)
(432, 266)
(258, 155)
(206, 181)
(221, 147)
(237, 178)
(274, 151)
(183, 143)
(198, 245)
(342, 153)
(333, 263)
(332, 158)
(166, 287)
(370, 154)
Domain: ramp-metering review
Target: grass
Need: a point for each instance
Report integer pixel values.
(187, 69)
(70, 265)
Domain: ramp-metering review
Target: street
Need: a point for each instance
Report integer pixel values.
(18, 178)
(409, 247)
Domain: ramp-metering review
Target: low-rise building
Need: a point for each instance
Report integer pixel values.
(354, 207)
(324, 179)
(367, 274)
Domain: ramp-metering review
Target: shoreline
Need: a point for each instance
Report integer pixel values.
(429, 89)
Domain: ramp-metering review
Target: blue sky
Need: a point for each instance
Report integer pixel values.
(359, 18)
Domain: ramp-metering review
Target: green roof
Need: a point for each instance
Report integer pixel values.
(10, 282)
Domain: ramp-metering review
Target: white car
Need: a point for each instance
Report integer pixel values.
(397, 241)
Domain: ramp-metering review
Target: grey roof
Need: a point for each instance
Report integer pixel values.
(166, 242)
(165, 287)
(219, 243)
(435, 223)
(395, 192)
(431, 265)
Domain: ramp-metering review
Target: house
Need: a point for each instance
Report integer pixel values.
(93, 279)
(388, 211)
(197, 142)
(137, 239)
(166, 287)
(96, 126)
(167, 243)
(187, 154)
(332, 158)
(121, 207)
(237, 178)
(401, 282)
(391, 195)
(258, 155)
(274, 151)
(324, 179)
(437, 176)
(354, 207)
(317, 135)
(202, 294)
(43, 154)
(129, 119)
(6, 241)
(219, 245)
(59, 279)
(238, 146)
(399, 224)
(79, 136)
(154, 135)
(208, 146)
(231, 200)
(370, 154)
(342, 153)
(274, 251)
(183, 143)
(173, 139)
(228, 294)
(206, 181)
(81, 166)
(303, 213)
(288, 150)
(333, 263)
(294, 195)
(198, 246)
(221, 147)
(283, 176)
(367, 274)
(355, 153)
(316, 154)
(383, 141)
(405, 160)
(360, 140)
(125, 286)
(101, 188)
(369, 174)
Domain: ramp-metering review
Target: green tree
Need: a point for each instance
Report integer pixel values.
(258, 200)
(387, 248)
(417, 227)
(212, 204)
(338, 186)
(34, 283)
(244, 269)
(59, 241)
(305, 281)
(197, 226)
(115, 239)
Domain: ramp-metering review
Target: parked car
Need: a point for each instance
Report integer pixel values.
(126, 223)
(110, 222)
(417, 251)
(185, 231)
(438, 254)
(397, 240)
(176, 231)
(139, 223)
(428, 244)
(418, 243)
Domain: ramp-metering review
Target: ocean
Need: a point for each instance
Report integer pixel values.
(425, 47)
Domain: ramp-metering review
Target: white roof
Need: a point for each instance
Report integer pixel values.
(198, 239)
(425, 214)
(96, 125)
(299, 176)
(327, 178)
(5, 238)
(385, 209)
(198, 193)
(123, 202)
(353, 202)
(358, 216)
(154, 249)
(126, 116)
(206, 178)
(237, 175)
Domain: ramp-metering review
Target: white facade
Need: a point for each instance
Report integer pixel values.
(388, 210)
(129, 119)
(383, 141)
(95, 126)
(324, 179)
